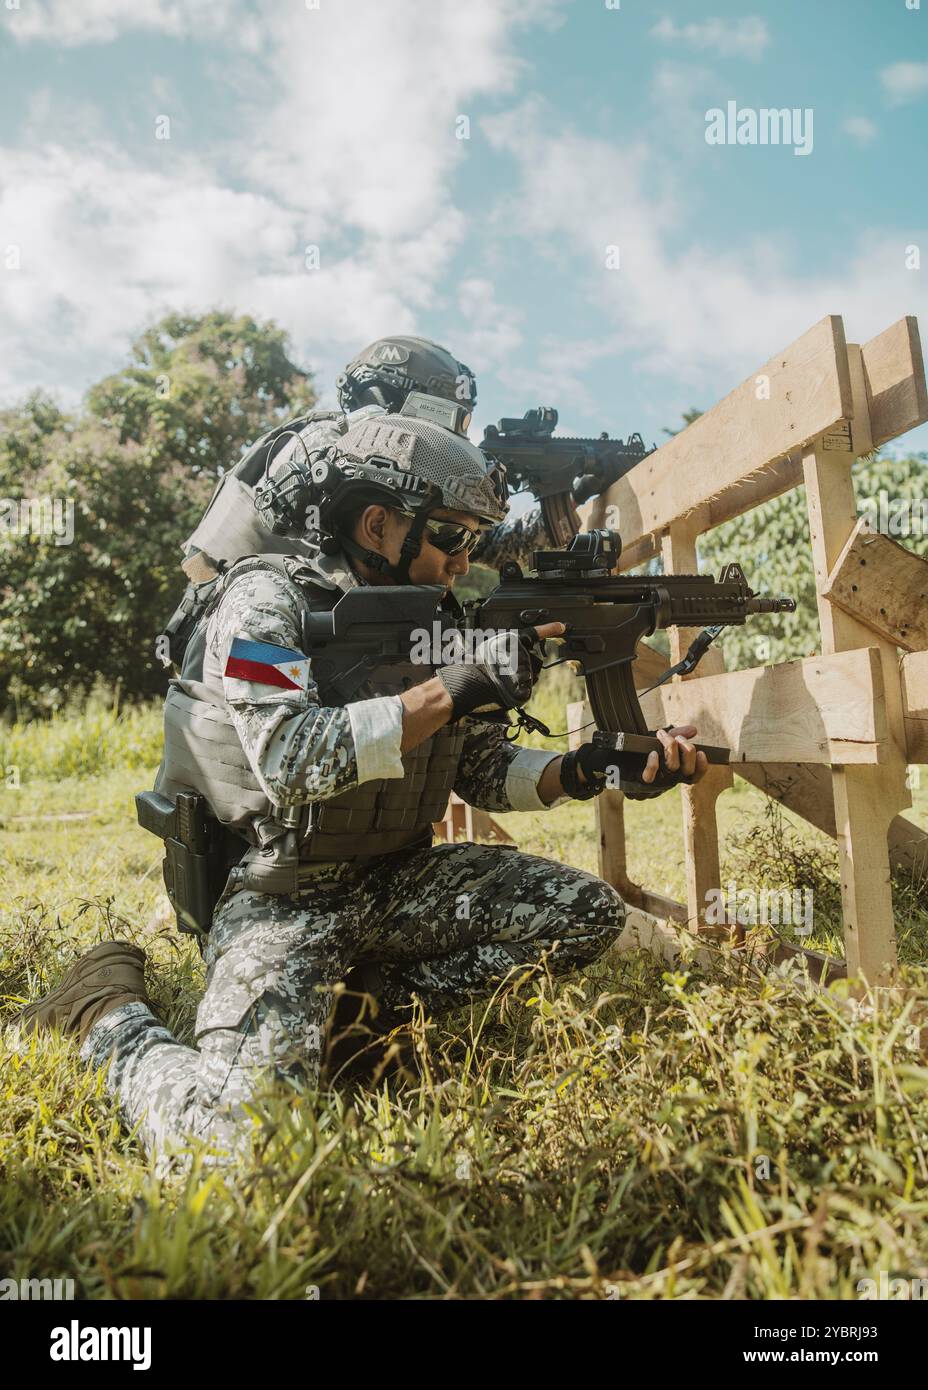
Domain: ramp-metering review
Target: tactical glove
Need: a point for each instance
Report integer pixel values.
(500, 674)
(604, 767)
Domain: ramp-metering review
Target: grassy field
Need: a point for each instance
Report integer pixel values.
(639, 1132)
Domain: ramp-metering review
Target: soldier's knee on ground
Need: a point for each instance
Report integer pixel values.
(611, 911)
(594, 920)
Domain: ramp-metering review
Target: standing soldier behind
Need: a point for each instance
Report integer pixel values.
(378, 381)
(333, 779)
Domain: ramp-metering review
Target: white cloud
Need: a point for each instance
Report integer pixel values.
(104, 246)
(368, 138)
(860, 128)
(904, 82)
(493, 335)
(726, 38)
(681, 84)
(99, 21)
(343, 137)
(681, 93)
(696, 313)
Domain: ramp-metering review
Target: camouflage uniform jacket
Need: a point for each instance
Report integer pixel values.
(303, 752)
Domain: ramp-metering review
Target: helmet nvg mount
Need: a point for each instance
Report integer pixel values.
(387, 370)
(402, 461)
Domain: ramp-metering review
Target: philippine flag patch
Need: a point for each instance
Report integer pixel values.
(266, 664)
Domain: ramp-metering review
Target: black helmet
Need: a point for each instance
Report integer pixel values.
(387, 370)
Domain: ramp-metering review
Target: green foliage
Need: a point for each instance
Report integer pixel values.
(137, 468)
(83, 742)
(198, 389)
(641, 1131)
(644, 1132)
(688, 417)
(772, 545)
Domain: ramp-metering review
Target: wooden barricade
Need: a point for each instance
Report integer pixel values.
(830, 736)
(467, 822)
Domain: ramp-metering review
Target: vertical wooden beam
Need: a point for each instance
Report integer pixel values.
(866, 798)
(469, 821)
(700, 827)
(609, 809)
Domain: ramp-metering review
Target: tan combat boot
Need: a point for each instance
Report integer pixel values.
(110, 974)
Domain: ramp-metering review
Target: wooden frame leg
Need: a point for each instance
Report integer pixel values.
(701, 843)
(867, 799)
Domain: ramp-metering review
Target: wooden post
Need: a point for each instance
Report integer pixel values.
(468, 823)
(609, 810)
(867, 798)
(700, 827)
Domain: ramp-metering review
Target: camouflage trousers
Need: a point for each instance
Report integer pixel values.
(442, 924)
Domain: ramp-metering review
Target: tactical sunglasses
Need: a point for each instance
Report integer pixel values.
(450, 537)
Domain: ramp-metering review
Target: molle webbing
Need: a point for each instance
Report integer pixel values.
(202, 750)
(393, 813)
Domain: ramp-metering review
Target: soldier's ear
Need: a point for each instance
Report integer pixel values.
(372, 523)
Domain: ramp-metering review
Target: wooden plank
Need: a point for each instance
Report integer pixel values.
(714, 458)
(650, 931)
(609, 809)
(818, 710)
(915, 705)
(782, 475)
(803, 788)
(613, 866)
(806, 790)
(898, 401)
(823, 969)
(649, 666)
(866, 799)
(659, 905)
(700, 824)
(895, 381)
(470, 823)
(882, 584)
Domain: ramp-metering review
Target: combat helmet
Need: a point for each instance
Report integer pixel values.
(405, 462)
(387, 370)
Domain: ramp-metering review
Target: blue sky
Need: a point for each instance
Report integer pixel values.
(336, 127)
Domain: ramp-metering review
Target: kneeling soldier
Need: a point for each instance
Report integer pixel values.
(332, 769)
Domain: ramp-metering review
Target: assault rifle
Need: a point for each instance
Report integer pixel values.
(606, 615)
(553, 468)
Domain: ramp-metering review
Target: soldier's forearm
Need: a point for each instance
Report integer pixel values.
(426, 708)
(550, 787)
(549, 783)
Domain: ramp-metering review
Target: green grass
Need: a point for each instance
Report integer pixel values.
(81, 743)
(636, 1132)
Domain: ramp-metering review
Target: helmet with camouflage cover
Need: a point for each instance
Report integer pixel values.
(387, 370)
(415, 463)
(400, 461)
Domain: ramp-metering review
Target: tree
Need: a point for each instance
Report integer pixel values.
(688, 417)
(134, 471)
(198, 389)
